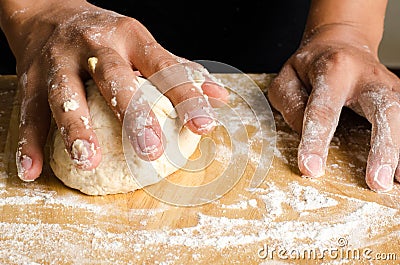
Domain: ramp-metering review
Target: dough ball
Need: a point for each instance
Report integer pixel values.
(113, 175)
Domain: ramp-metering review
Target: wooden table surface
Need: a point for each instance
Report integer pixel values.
(286, 220)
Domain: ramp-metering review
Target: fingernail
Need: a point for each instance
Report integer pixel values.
(148, 141)
(201, 118)
(24, 163)
(203, 123)
(82, 151)
(383, 177)
(313, 164)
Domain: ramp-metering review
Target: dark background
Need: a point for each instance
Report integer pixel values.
(253, 36)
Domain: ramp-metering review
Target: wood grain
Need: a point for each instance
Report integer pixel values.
(48, 223)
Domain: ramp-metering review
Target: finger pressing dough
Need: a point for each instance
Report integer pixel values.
(113, 175)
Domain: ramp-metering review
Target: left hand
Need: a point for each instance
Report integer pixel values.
(331, 70)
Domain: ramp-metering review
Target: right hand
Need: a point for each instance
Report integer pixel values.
(52, 41)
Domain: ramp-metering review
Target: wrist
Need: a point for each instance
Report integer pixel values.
(14, 14)
(24, 20)
(359, 22)
(343, 33)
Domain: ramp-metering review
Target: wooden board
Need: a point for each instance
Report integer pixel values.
(45, 222)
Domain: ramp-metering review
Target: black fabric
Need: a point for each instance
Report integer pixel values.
(253, 36)
(7, 60)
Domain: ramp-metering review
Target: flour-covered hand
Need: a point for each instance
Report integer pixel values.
(60, 44)
(335, 67)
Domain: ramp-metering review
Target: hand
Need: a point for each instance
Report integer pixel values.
(333, 68)
(52, 41)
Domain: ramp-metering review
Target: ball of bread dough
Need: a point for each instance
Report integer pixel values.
(113, 174)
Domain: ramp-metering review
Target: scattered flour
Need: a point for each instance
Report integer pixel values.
(19, 200)
(308, 198)
(300, 198)
(223, 154)
(244, 204)
(273, 201)
(38, 196)
(219, 233)
(106, 240)
(253, 203)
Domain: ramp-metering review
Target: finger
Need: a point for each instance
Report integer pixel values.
(193, 108)
(320, 121)
(214, 89)
(118, 83)
(182, 84)
(67, 101)
(288, 96)
(383, 111)
(150, 58)
(33, 126)
(194, 93)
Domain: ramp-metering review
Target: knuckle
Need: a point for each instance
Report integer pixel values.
(112, 65)
(109, 55)
(112, 70)
(57, 92)
(163, 61)
(132, 25)
(50, 51)
(338, 57)
(378, 98)
(323, 112)
(379, 72)
(332, 59)
(71, 128)
(276, 86)
(184, 93)
(289, 94)
(322, 119)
